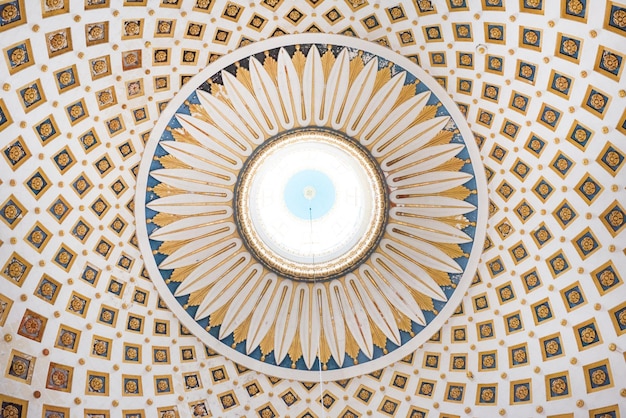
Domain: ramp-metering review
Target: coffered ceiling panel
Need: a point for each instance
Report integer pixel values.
(540, 331)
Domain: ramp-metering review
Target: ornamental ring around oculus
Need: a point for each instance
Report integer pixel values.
(312, 204)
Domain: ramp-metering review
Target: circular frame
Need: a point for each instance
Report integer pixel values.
(313, 373)
(322, 270)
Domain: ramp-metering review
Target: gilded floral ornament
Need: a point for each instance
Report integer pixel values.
(597, 101)
(610, 61)
(54, 4)
(18, 56)
(131, 386)
(570, 47)
(403, 186)
(11, 411)
(132, 28)
(9, 13)
(558, 386)
(58, 41)
(19, 367)
(574, 6)
(619, 18)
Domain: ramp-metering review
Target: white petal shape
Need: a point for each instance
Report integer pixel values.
(336, 89)
(335, 337)
(382, 308)
(394, 131)
(290, 91)
(254, 120)
(427, 229)
(428, 162)
(264, 315)
(432, 206)
(194, 180)
(412, 139)
(338, 328)
(354, 317)
(376, 111)
(229, 279)
(426, 254)
(376, 307)
(425, 159)
(358, 96)
(201, 275)
(246, 299)
(429, 183)
(286, 322)
(205, 273)
(409, 275)
(193, 226)
(226, 120)
(395, 291)
(266, 94)
(192, 203)
(200, 249)
(310, 326)
(314, 86)
(212, 136)
(197, 157)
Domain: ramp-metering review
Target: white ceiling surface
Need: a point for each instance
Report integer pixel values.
(599, 304)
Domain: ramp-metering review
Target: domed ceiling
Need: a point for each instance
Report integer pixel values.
(539, 332)
(322, 228)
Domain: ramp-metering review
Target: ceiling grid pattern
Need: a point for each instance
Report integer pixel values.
(541, 330)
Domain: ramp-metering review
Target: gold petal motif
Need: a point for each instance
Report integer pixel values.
(220, 117)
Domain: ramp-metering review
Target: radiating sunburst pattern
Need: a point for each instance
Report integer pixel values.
(382, 309)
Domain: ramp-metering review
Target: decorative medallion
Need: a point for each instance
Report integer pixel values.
(295, 204)
(312, 204)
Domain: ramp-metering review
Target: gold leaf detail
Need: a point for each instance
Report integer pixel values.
(443, 137)
(243, 75)
(424, 302)
(406, 93)
(451, 249)
(199, 112)
(169, 161)
(356, 66)
(427, 113)
(378, 337)
(162, 219)
(241, 332)
(168, 247)
(323, 351)
(440, 277)
(217, 317)
(267, 343)
(403, 322)
(198, 296)
(458, 192)
(328, 60)
(458, 222)
(299, 60)
(271, 66)
(164, 190)
(352, 348)
(382, 77)
(454, 164)
(295, 350)
(181, 273)
(181, 135)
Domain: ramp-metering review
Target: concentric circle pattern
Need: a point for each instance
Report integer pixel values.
(312, 204)
(356, 298)
(540, 331)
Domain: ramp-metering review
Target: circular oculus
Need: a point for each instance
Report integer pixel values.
(311, 204)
